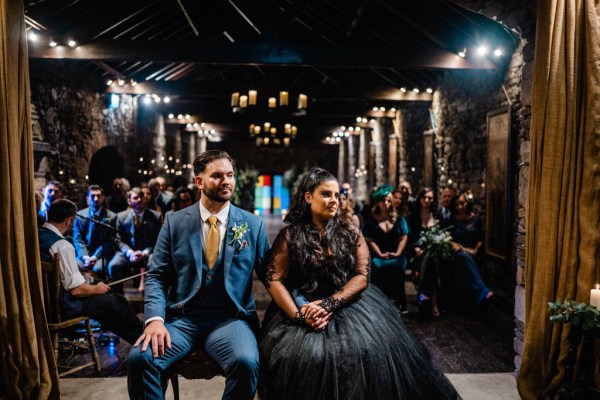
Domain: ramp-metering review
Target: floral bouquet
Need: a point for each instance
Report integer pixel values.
(579, 314)
(436, 243)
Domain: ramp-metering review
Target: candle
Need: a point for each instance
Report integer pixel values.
(302, 102)
(283, 98)
(272, 102)
(235, 99)
(257, 130)
(595, 297)
(267, 126)
(252, 97)
(273, 131)
(243, 101)
(287, 129)
(251, 128)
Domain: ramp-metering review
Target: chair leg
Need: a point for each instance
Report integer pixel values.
(55, 346)
(92, 345)
(175, 383)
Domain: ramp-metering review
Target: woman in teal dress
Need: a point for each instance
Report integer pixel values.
(386, 233)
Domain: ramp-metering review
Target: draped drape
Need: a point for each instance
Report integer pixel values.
(563, 217)
(27, 367)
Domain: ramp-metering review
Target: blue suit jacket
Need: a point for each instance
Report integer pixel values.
(175, 272)
(84, 245)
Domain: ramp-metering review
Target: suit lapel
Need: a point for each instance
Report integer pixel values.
(235, 218)
(193, 227)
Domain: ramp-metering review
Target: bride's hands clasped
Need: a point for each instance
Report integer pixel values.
(315, 316)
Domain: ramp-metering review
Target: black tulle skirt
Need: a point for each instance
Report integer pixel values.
(366, 352)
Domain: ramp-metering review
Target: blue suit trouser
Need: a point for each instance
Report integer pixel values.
(230, 342)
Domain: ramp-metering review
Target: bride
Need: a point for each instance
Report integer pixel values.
(337, 337)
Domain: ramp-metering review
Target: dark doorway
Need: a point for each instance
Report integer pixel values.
(105, 165)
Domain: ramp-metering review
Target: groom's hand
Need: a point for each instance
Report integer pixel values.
(157, 334)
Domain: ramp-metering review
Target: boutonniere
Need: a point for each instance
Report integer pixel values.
(238, 234)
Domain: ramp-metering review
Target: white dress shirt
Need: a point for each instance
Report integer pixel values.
(70, 275)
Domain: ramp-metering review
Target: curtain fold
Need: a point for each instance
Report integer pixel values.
(563, 216)
(27, 367)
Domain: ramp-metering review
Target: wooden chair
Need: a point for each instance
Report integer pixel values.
(52, 290)
(198, 365)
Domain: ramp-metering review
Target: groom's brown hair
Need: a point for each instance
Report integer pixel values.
(209, 156)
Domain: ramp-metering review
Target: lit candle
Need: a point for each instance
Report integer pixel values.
(251, 128)
(256, 129)
(595, 297)
(294, 130)
(252, 97)
(235, 99)
(243, 101)
(273, 131)
(302, 102)
(272, 102)
(286, 141)
(283, 98)
(287, 129)
(267, 126)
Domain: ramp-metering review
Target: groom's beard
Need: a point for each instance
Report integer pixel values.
(217, 194)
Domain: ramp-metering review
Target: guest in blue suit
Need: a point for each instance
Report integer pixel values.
(199, 287)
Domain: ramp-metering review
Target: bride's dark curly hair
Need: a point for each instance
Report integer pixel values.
(328, 253)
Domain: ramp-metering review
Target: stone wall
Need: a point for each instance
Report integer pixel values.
(518, 16)
(73, 117)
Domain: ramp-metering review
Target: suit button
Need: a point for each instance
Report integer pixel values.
(179, 305)
(209, 276)
(197, 288)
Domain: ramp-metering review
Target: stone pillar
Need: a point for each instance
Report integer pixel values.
(341, 172)
(351, 177)
(393, 160)
(377, 167)
(428, 166)
(361, 180)
(200, 145)
(159, 144)
(177, 144)
(191, 154)
(400, 131)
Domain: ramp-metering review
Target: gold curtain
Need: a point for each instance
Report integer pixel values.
(563, 217)
(27, 367)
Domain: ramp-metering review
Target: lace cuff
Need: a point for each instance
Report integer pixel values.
(299, 318)
(331, 304)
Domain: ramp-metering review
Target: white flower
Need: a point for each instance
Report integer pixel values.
(238, 233)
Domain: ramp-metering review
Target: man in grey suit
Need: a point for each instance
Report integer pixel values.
(199, 287)
(93, 246)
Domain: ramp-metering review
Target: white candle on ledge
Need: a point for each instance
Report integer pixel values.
(595, 297)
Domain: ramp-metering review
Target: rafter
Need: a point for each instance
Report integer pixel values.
(268, 54)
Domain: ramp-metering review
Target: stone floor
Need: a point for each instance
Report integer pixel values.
(474, 351)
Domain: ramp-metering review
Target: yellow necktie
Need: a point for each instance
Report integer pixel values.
(136, 222)
(212, 242)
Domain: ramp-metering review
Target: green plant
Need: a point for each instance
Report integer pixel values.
(245, 181)
(579, 314)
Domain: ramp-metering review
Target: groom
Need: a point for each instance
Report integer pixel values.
(199, 287)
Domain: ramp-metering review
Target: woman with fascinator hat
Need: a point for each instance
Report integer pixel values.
(386, 233)
(332, 336)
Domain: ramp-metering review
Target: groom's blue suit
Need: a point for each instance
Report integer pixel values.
(213, 308)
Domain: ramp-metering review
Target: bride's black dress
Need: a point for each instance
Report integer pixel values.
(365, 352)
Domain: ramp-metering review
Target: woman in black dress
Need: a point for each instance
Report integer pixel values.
(345, 339)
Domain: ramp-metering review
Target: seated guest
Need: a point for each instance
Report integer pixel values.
(182, 199)
(443, 213)
(38, 205)
(94, 247)
(399, 204)
(78, 295)
(117, 201)
(150, 202)
(463, 284)
(347, 208)
(139, 229)
(409, 200)
(163, 199)
(386, 234)
(53, 190)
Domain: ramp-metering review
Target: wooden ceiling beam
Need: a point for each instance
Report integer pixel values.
(224, 89)
(257, 53)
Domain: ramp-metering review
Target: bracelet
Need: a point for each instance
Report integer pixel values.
(331, 304)
(299, 318)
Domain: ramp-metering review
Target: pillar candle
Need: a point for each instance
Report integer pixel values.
(243, 101)
(272, 102)
(235, 99)
(595, 297)
(283, 98)
(252, 97)
(302, 102)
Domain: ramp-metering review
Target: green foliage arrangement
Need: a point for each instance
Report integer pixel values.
(579, 314)
(245, 181)
(436, 243)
